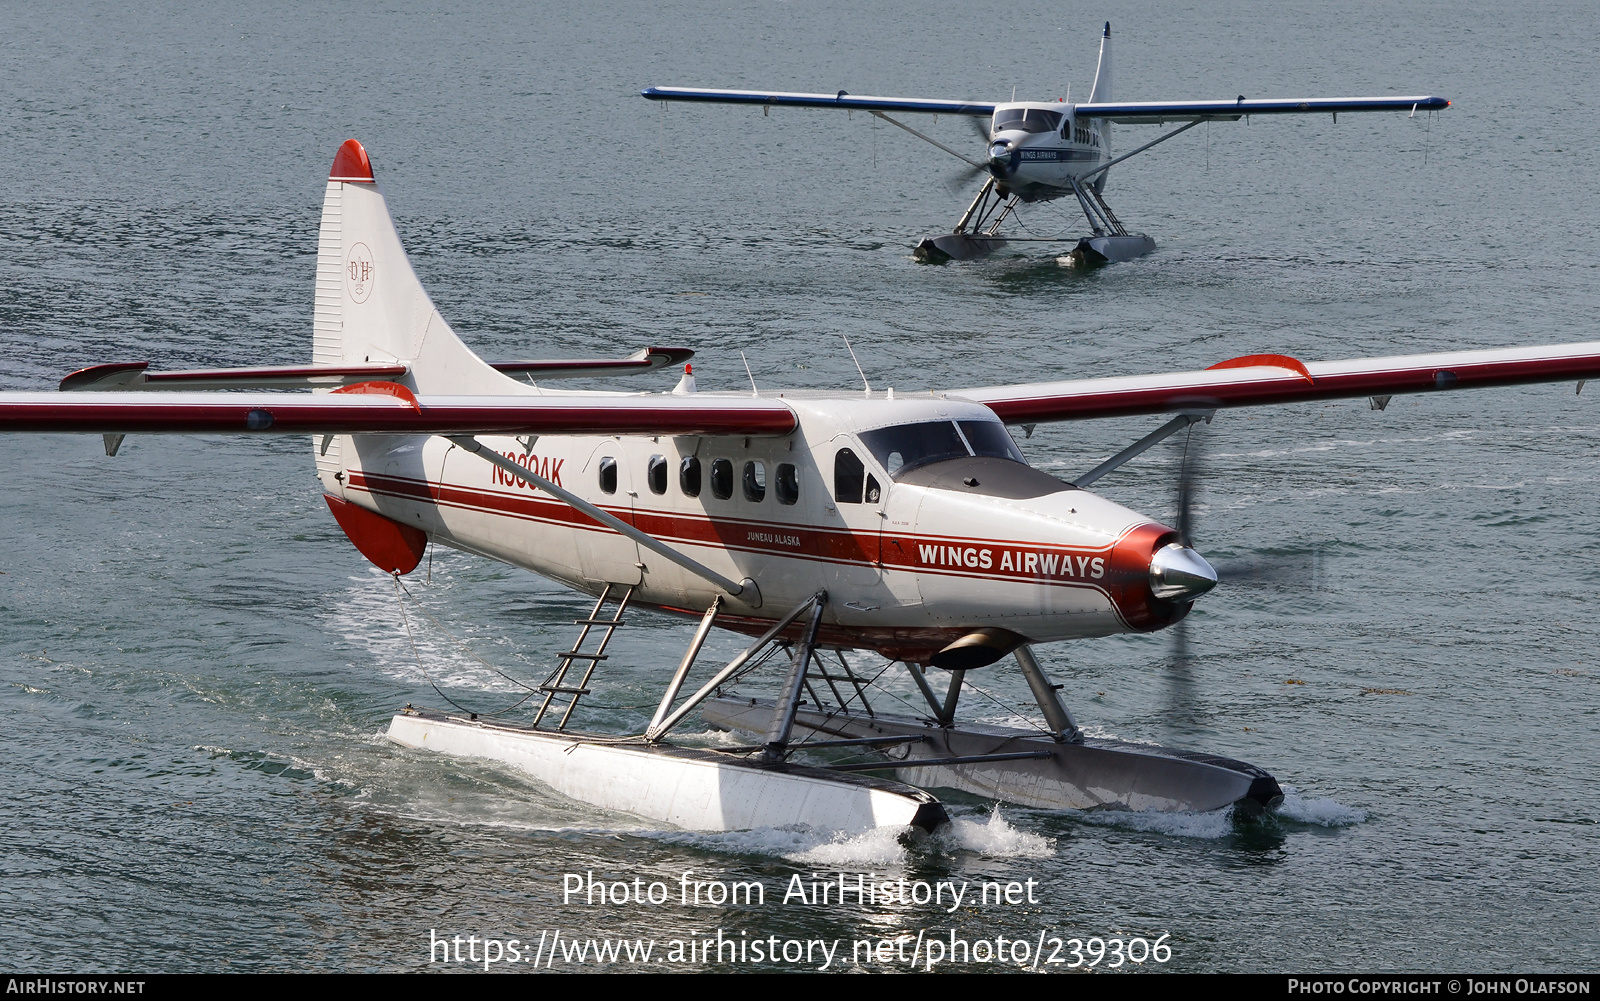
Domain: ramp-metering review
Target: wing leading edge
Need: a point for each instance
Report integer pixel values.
(1258, 380)
(1155, 112)
(914, 105)
(379, 412)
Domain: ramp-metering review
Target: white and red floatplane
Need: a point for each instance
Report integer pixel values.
(909, 525)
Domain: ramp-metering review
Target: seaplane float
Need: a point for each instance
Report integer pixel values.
(1037, 151)
(817, 523)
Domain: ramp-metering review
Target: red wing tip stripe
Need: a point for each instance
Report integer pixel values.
(1267, 361)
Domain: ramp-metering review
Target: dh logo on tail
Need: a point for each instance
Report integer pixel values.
(359, 272)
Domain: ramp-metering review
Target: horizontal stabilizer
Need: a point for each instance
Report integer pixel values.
(642, 360)
(1274, 379)
(1155, 112)
(382, 413)
(136, 374)
(841, 100)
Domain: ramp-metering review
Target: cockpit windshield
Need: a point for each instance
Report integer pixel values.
(904, 448)
(1026, 120)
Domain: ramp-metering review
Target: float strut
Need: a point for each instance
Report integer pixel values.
(656, 732)
(1062, 726)
(777, 741)
(948, 714)
(682, 673)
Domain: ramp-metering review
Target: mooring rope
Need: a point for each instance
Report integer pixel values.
(401, 592)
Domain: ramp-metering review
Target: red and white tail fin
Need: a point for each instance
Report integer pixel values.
(370, 307)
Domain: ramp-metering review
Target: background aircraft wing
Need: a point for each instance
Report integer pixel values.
(1156, 112)
(841, 100)
(1255, 380)
(386, 408)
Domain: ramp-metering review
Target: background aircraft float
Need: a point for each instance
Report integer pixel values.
(1036, 151)
(909, 525)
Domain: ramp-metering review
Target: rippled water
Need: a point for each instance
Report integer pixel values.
(198, 667)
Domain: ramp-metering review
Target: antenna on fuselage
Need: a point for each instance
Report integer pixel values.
(753, 390)
(847, 347)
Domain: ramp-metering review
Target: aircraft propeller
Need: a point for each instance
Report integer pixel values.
(996, 167)
(1287, 570)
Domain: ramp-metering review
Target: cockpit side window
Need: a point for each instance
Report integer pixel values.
(849, 473)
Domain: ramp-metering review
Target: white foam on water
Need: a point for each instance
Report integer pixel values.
(777, 842)
(882, 846)
(997, 838)
(1209, 826)
(1321, 812)
(368, 616)
(712, 738)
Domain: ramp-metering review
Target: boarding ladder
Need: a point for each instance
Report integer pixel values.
(557, 684)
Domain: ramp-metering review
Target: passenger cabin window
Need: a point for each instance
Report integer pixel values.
(689, 476)
(904, 448)
(755, 481)
(1026, 120)
(787, 483)
(721, 479)
(656, 474)
(608, 475)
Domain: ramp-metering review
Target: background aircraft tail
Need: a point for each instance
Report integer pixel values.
(1101, 91)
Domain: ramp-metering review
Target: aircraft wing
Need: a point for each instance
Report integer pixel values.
(1256, 380)
(841, 100)
(1156, 112)
(389, 409)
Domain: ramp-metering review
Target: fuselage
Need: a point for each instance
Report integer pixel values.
(1036, 149)
(918, 516)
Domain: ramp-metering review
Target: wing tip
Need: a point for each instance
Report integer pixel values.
(351, 164)
(117, 374)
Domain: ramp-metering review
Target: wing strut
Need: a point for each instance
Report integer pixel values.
(1141, 446)
(1112, 163)
(746, 589)
(902, 125)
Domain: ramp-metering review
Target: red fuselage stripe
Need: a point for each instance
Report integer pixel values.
(813, 544)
